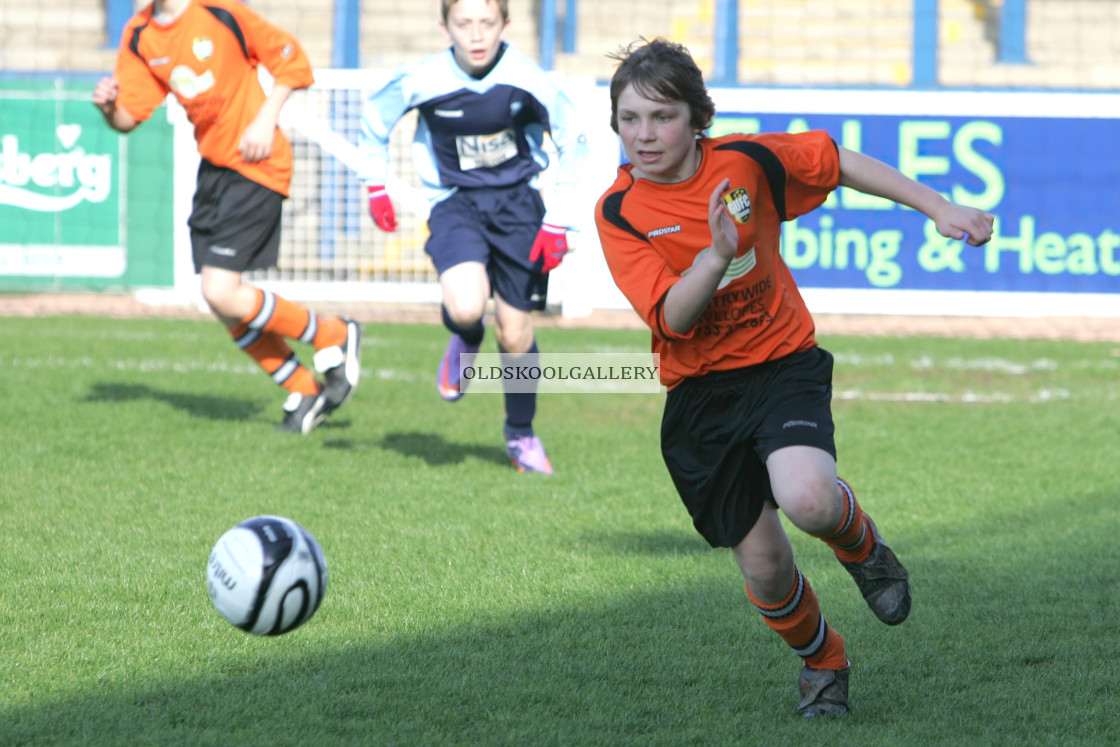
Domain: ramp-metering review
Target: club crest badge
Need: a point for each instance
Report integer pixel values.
(203, 48)
(738, 204)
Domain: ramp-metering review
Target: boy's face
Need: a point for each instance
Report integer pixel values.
(657, 136)
(475, 29)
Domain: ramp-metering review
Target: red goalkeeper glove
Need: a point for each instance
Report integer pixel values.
(551, 244)
(381, 209)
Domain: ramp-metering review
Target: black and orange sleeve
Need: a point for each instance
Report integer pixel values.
(812, 168)
(277, 50)
(140, 91)
(640, 273)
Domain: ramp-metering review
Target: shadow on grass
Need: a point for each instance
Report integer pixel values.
(199, 405)
(614, 675)
(436, 451)
(663, 543)
(684, 664)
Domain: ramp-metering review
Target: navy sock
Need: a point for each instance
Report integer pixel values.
(521, 406)
(471, 334)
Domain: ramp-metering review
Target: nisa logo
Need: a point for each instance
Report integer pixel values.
(486, 151)
(475, 145)
(53, 182)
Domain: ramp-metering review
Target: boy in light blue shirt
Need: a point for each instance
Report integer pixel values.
(484, 109)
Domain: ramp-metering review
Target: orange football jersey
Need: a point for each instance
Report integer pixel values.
(208, 58)
(652, 234)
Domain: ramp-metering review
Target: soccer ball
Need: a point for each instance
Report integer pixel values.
(267, 575)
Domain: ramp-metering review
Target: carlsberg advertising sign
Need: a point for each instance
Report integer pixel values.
(53, 182)
(66, 180)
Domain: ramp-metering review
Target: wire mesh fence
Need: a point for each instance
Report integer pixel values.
(856, 44)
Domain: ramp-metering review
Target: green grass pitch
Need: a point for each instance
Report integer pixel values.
(468, 604)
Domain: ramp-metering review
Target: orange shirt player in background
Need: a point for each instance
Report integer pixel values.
(691, 231)
(207, 55)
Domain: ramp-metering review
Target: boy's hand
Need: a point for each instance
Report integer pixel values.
(725, 237)
(105, 94)
(256, 141)
(959, 222)
(381, 208)
(552, 244)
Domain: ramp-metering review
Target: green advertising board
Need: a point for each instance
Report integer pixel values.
(81, 206)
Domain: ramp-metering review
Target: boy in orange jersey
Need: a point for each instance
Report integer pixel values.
(691, 231)
(207, 55)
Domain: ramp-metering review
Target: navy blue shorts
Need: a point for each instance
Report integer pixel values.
(718, 430)
(235, 222)
(497, 227)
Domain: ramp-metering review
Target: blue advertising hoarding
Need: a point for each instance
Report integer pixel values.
(1047, 166)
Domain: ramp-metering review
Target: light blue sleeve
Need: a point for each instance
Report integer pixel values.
(380, 113)
(564, 203)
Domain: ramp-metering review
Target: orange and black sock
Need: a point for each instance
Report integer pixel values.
(852, 540)
(288, 319)
(798, 620)
(273, 354)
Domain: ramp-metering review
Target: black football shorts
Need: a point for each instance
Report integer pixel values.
(235, 222)
(718, 430)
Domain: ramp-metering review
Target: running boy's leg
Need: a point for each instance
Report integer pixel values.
(465, 288)
(789, 607)
(235, 226)
(520, 288)
(709, 448)
(480, 244)
(337, 341)
(518, 347)
(783, 595)
(808, 491)
(235, 305)
(460, 252)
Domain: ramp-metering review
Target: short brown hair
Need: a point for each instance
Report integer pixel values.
(662, 70)
(445, 8)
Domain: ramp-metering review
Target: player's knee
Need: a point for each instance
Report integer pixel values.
(812, 505)
(515, 338)
(218, 297)
(464, 311)
(764, 568)
(766, 573)
(227, 297)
